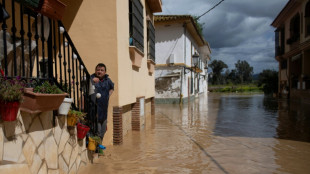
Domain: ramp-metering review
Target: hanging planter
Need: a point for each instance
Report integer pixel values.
(53, 9)
(38, 102)
(65, 106)
(9, 110)
(91, 144)
(11, 94)
(82, 130)
(45, 97)
(71, 120)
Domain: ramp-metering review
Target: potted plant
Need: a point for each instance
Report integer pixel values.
(11, 92)
(74, 116)
(92, 142)
(65, 106)
(81, 130)
(43, 97)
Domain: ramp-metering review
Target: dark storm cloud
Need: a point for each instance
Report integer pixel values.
(236, 29)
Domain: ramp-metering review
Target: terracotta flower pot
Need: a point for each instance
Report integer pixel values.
(9, 110)
(53, 9)
(37, 102)
(82, 130)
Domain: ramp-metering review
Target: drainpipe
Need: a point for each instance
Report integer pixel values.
(183, 68)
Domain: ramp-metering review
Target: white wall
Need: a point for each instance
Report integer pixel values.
(169, 40)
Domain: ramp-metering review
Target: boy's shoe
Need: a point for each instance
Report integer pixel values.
(102, 146)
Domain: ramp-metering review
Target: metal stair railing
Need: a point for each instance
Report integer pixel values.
(35, 47)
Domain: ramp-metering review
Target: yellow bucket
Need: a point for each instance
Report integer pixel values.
(71, 120)
(91, 144)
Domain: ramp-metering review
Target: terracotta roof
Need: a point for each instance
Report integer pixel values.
(186, 18)
(161, 18)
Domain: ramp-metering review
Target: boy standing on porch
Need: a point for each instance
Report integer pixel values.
(104, 87)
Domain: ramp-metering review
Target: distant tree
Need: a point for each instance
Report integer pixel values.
(217, 67)
(269, 80)
(232, 77)
(244, 71)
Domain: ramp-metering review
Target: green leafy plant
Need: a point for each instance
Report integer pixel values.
(47, 88)
(11, 89)
(96, 138)
(80, 115)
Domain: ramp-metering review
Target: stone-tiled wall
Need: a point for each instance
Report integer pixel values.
(39, 143)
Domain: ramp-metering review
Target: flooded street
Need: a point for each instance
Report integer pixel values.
(218, 133)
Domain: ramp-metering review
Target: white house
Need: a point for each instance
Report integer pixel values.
(182, 56)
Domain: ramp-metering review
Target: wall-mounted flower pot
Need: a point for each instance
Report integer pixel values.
(91, 144)
(81, 130)
(9, 110)
(53, 9)
(37, 102)
(71, 120)
(65, 106)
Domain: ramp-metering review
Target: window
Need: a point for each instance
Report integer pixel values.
(151, 41)
(136, 24)
(307, 19)
(279, 41)
(294, 29)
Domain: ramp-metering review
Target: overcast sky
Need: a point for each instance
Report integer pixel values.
(235, 29)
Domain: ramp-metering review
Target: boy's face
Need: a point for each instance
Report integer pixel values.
(100, 72)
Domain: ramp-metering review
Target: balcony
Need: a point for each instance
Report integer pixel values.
(155, 5)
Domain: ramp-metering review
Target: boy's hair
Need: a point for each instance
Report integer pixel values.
(101, 65)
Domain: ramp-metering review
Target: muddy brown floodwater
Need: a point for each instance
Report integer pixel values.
(217, 133)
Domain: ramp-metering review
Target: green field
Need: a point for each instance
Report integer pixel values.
(235, 88)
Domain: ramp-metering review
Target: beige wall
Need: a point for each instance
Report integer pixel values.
(133, 83)
(100, 32)
(92, 28)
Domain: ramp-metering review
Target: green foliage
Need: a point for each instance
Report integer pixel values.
(235, 88)
(268, 79)
(217, 67)
(11, 89)
(243, 72)
(47, 88)
(96, 138)
(80, 115)
(198, 25)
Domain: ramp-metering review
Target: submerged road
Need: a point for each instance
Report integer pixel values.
(216, 133)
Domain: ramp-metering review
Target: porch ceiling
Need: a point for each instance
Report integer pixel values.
(155, 5)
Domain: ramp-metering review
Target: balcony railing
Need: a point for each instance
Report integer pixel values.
(35, 47)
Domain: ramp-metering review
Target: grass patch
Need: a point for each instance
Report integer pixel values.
(235, 88)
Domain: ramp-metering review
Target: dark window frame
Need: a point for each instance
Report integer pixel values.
(307, 19)
(151, 41)
(136, 24)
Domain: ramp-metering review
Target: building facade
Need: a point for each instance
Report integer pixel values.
(292, 50)
(65, 50)
(119, 34)
(182, 57)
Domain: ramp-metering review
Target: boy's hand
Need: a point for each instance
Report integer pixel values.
(96, 79)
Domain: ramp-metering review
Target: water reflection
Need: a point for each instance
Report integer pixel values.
(264, 117)
(217, 133)
(245, 116)
(294, 121)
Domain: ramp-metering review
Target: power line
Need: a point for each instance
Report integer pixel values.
(209, 9)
